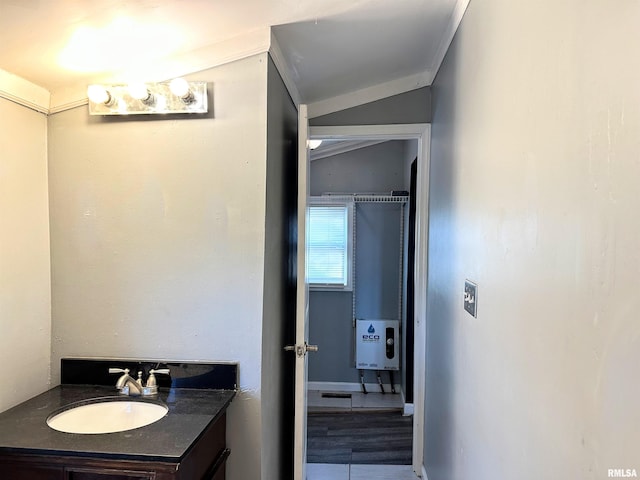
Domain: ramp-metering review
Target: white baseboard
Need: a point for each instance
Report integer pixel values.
(424, 473)
(407, 410)
(349, 387)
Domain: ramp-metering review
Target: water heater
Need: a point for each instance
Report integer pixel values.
(377, 345)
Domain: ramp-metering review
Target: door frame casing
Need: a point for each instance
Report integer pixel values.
(422, 133)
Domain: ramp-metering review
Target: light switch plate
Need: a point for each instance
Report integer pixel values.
(471, 297)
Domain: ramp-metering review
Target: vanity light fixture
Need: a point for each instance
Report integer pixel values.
(177, 96)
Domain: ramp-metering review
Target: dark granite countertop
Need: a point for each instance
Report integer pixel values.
(23, 429)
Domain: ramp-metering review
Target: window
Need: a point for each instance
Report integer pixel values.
(329, 244)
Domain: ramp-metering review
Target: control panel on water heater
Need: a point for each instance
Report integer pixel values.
(377, 346)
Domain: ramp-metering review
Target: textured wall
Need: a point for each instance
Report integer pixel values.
(158, 238)
(534, 189)
(25, 288)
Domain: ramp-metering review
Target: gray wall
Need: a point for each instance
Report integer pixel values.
(330, 327)
(25, 288)
(379, 168)
(158, 240)
(409, 107)
(378, 260)
(279, 279)
(363, 170)
(534, 189)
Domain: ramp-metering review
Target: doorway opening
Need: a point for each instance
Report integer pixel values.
(377, 169)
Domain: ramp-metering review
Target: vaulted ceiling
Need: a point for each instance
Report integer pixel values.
(324, 48)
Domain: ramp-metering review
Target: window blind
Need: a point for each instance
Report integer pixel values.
(328, 243)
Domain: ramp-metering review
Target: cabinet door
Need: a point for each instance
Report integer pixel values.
(220, 474)
(23, 472)
(217, 469)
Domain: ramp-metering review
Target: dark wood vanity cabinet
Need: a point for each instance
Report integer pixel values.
(205, 460)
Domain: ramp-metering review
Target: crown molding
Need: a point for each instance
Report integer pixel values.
(370, 94)
(452, 27)
(67, 105)
(23, 92)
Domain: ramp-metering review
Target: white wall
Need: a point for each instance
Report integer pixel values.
(534, 192)
(25, 292)
(158, 238)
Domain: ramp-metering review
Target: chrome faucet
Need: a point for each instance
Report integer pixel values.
(127, 385)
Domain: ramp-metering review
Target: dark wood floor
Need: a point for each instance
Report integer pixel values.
(376, 438)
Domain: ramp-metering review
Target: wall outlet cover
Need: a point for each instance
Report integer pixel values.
(471, 297)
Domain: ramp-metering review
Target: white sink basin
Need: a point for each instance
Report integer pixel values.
(107, 416)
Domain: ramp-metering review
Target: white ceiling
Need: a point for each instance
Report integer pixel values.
(379, 42)
(327, 48)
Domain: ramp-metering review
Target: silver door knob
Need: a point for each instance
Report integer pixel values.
(301, 350)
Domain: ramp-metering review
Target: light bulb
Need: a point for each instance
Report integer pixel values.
(139, 91)
(99, 94)
(179, 87)
(313, 144)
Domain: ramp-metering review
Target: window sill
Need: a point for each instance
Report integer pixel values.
(329, 288)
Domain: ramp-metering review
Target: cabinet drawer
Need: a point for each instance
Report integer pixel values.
(106, 474)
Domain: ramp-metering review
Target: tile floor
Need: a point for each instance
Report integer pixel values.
(324, 471)
(358, 401)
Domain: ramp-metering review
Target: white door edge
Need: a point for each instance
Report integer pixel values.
(302, 302)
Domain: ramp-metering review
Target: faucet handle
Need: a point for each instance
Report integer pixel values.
(119, 370)
(151, 381)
